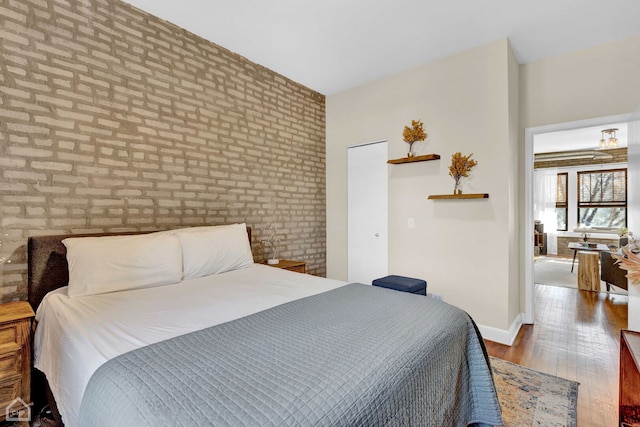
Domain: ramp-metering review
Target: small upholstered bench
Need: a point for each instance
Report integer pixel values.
(403, 284)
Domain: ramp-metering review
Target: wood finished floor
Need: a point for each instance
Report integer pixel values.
(576, 336)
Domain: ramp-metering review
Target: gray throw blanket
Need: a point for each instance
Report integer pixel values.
(354, 356)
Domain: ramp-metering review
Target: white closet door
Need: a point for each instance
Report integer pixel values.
(367, 212)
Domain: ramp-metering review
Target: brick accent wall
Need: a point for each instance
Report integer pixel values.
(114, 120)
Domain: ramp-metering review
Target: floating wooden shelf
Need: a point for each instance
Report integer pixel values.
(414, 159)
(459, 196)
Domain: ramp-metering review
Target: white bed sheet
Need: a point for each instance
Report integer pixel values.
(75, 336)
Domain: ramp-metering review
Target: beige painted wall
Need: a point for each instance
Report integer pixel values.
(633, 182)
(600, 81)
(461, 247)
(469, 103)
(515, 184)
(597, 82)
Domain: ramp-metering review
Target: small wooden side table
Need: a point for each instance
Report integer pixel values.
(287, 264)
(629, 402)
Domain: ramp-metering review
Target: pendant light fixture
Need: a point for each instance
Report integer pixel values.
(609, 141)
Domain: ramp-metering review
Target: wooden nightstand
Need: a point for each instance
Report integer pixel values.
(15, 357)
(287, 264)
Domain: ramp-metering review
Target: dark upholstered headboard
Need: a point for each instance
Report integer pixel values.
(47, 267)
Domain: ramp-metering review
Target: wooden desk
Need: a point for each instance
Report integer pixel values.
(629, 402)
(577, 246)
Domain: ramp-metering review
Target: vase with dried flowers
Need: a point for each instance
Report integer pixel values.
(623, 237)
(460, 167)
(412, 134)
(270, 243)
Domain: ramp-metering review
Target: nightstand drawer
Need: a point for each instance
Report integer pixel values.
(9, 334)
(298, 268)
(10, 364)
(9, 390)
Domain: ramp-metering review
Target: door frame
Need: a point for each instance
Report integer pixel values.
(527, 230)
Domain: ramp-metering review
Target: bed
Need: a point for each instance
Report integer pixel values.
(229, 342)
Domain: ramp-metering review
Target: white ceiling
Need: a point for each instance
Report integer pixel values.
(332, 45)
(577, 139)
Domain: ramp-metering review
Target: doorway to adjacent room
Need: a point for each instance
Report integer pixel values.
(559, 241)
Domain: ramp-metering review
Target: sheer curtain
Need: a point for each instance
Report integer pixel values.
(545, 185)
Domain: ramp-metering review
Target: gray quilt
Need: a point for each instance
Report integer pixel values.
(354, 356)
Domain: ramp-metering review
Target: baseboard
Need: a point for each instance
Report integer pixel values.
(502, 336)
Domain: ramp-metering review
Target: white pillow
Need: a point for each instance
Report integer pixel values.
(114, 263)
(213, 250)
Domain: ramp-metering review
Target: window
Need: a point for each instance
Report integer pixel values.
(561, 201)
(602, 198)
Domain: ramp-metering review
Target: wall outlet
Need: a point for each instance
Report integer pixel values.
(411, 223)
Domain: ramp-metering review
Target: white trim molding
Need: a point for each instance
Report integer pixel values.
(500, 335)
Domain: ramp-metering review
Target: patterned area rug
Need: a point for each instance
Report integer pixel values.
(532, 398)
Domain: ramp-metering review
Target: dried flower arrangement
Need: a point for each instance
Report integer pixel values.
(630, 262)
(412, 134)
(460, 166)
